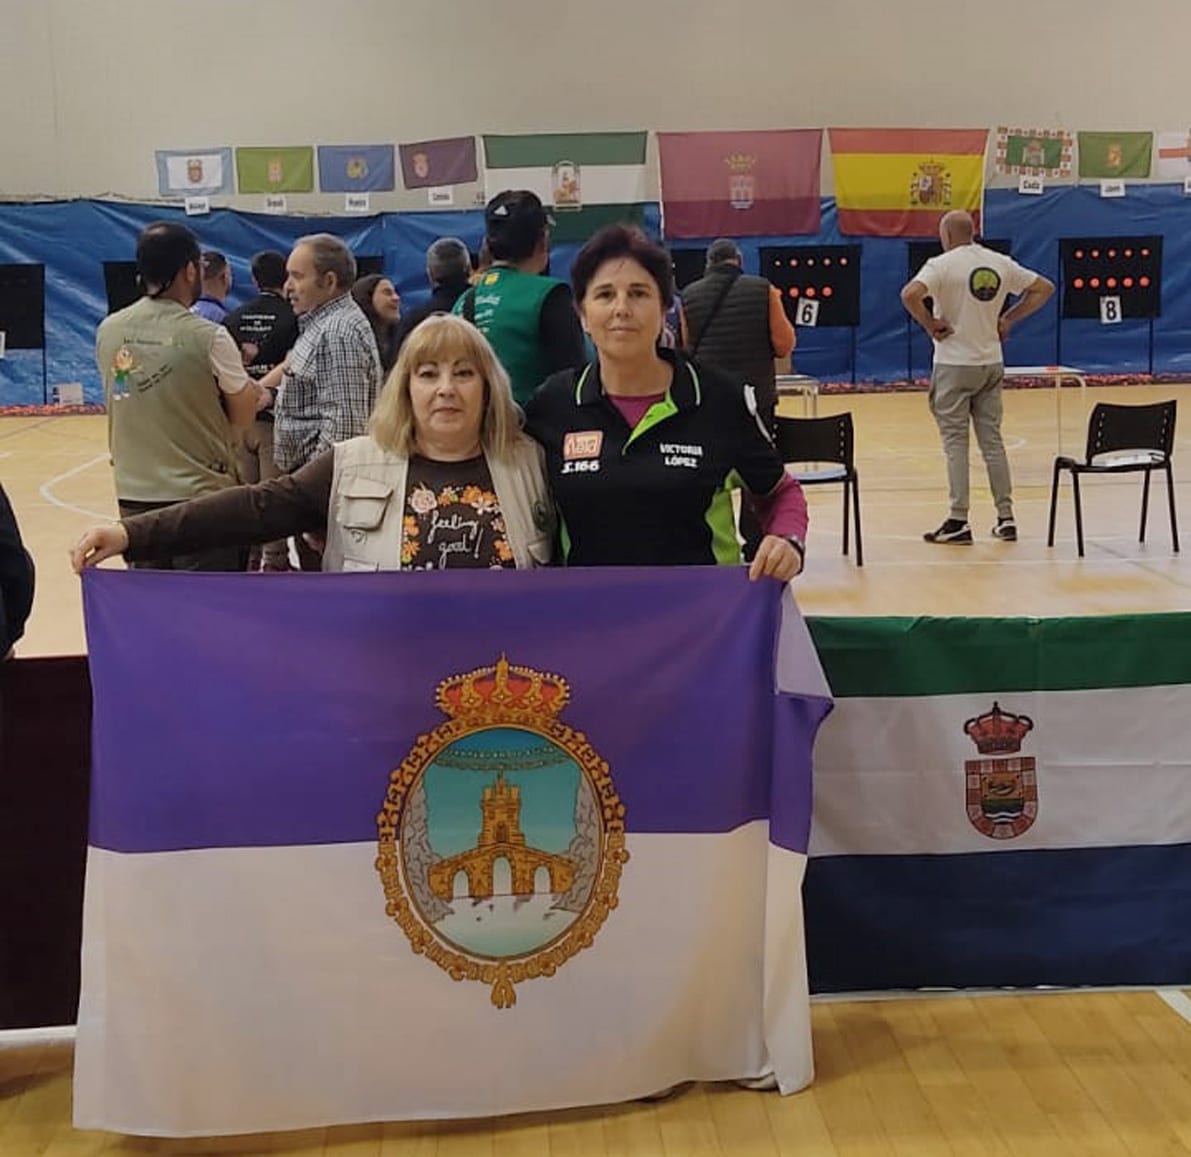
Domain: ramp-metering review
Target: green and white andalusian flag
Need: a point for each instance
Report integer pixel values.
(1002, 802)
(588, 179)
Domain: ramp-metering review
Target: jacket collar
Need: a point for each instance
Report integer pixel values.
(685, 389)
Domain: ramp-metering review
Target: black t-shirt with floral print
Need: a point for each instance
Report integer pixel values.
(452, 517)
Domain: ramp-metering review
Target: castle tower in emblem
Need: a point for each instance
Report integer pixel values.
(500, 838)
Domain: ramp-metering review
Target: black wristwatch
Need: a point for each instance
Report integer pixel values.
(798, 545)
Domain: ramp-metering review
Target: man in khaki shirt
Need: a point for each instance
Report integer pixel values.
(175, 387)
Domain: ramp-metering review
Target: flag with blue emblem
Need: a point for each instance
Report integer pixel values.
(414, 845)
(356, 168)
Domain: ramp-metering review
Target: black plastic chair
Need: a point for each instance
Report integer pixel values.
(826, 443)
(1122, 440)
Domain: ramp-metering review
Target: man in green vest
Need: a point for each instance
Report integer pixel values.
(529, 318)
(175, 385)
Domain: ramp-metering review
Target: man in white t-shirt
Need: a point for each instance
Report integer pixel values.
(968, 285)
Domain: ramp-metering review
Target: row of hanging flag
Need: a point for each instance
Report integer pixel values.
(888, 182)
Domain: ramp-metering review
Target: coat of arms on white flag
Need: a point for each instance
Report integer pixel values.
(196, 172)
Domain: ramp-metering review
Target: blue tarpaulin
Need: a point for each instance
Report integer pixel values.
(74, 238)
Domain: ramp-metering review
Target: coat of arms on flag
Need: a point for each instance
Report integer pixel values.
(517, 900)
(1002, 794)
(930, 186)
(1034, 152)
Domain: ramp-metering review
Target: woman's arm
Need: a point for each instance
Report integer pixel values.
(239, 516)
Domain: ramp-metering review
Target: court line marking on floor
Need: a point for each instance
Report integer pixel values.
(47, 487)
(1178, 1000)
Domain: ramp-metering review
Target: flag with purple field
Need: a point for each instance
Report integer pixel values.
(480, 819)
(449, 161)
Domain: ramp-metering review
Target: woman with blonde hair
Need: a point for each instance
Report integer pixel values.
(444, 478)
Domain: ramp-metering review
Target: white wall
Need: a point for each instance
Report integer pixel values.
(89, 88)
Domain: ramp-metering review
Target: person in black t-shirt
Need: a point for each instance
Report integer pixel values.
(265, 329)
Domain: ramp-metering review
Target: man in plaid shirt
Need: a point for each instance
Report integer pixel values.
(329, 382)
(333, 373)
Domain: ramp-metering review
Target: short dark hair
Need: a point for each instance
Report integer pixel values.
(330, 254)
(163, 250)
(514, 222)
(615, 241)
(721, 250)
(268, 269)
(214, 263)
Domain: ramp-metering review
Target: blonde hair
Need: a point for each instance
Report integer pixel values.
(445, 338)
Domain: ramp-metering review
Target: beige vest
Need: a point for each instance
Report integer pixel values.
(367, 507)
(169, 437)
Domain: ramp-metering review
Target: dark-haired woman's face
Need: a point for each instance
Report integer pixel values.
(386, 301)
(622, 309)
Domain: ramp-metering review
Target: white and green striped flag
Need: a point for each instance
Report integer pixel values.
(588, 179)
(1002, 802)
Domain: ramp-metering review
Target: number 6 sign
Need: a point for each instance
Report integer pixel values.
(807, 312)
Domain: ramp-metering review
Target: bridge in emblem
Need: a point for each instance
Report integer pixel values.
(501, 838)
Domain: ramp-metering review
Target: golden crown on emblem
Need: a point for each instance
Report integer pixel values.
(740, 162)
(998, 731)
(503, 691)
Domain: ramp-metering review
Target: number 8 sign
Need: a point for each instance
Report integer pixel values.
(1110, 310)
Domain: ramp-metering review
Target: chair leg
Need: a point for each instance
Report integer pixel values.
(856, 520)
(1174, 525)
(846, 484)
(1145, 507)
(1078, 512)
(1054, 497)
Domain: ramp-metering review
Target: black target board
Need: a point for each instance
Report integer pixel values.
(122, 285)
(689, 265)
(369, 263)
(1126, 268)
(22, 306)
(828, 274)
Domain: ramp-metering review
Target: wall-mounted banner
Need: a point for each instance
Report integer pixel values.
(589, 179)
(900, 182)
(1173, 155)
(1108, 156)
(429, 164)
(197, 172)
(1034, 152)
(356, 168)
(740, 184)
(281, 170)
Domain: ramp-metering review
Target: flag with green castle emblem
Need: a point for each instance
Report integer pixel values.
(1111, 155)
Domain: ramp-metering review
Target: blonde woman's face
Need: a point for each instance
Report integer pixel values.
(448, 402)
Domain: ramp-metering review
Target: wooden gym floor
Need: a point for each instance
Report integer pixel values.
(56, 473)
(1047, 1074)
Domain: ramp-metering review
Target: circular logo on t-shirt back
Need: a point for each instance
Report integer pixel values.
(984, 283)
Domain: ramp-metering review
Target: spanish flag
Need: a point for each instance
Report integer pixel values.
(899, 182)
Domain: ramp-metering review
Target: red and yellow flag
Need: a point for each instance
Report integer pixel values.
(899, 182)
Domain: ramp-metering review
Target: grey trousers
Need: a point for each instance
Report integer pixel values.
(963, 394)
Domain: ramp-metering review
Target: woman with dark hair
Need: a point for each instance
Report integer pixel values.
(643, 446)
(381, 304)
